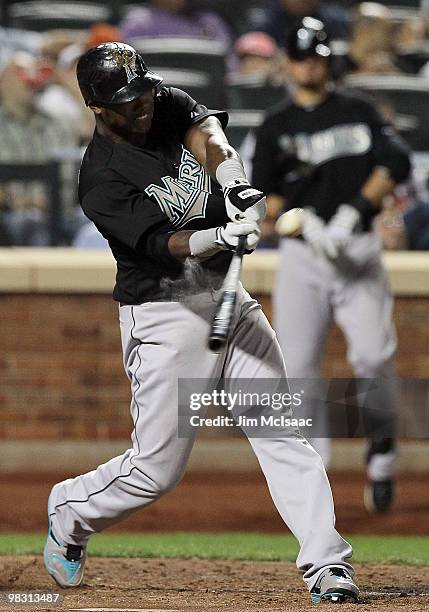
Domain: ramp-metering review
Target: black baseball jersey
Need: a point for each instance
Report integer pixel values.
(138, 195)
(321, 156)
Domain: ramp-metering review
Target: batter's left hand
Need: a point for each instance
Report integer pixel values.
(228, 237)
(341, 226)
(243, 202)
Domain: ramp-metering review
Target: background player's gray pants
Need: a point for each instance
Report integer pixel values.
(163, 342)
(310, 294)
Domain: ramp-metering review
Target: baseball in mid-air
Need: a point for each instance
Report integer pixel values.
(290, 222)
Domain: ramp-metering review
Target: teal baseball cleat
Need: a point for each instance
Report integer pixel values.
(65, 563)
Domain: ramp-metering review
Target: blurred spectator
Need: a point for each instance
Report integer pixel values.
(12, 40)
(48, 44)
(372, 42)
(399, 230)
(55, 41)
(62, 98)
(390, 227)
(174, 18)
(421, 35)
(404, 220)
(424, 72)
(410, 33)
(424, 17)
(88, 237)
(279, 16)
(256, 53)
(5, 238)
(416, 221)
(28, 136)
(237, 14)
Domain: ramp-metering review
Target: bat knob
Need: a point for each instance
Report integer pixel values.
(217, 344)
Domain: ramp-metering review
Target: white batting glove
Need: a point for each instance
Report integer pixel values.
(342, 224)
(227, 237)
(314, 230)
(243, 202)
(206, 243)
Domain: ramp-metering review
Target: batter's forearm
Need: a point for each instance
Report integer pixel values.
(203, 244)
(178, 244)
(218, 151)
(209, 145)
(275, 205)
(378, 185)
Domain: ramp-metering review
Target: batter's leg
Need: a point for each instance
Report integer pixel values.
(161, 343)
(302, 318)
(294, 471)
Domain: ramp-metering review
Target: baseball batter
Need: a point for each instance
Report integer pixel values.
(169, 193)
(333, 155)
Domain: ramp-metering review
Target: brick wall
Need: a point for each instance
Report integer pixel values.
(61, 372)
(60, 368)
(412, 358)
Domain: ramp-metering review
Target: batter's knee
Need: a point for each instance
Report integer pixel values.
(370, 365)
(169, 481)
(370, 359)
(156, 483)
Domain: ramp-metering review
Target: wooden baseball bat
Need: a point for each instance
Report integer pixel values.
(221, 326)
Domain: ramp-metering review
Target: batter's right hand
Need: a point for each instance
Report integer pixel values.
(227, 237)
(314, 231)
(244, 202)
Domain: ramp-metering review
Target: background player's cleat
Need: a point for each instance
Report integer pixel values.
(379, 495)
(65, 563)
(379, 492)
(334, 585)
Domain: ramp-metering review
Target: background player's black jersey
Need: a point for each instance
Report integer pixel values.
(321, 156)
(137, 196)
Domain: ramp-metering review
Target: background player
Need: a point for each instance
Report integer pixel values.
(332, 154)
(147, 182)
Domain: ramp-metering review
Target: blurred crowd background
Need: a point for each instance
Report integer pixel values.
(225, 53)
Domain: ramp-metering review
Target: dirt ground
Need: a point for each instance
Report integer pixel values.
(217, 502)
(226, 502)
(206, 586)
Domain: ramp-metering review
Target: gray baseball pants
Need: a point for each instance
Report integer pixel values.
(310, 294)
(163, 342)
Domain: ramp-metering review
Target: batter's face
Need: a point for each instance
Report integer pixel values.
(309, 73)
(129, 121)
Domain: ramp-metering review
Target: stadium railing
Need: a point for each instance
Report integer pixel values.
(253, 92)
(188, 54)
(59, 175)
(41, 15)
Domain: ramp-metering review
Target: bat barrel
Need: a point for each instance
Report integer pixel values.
(221, 326)
(222, 322)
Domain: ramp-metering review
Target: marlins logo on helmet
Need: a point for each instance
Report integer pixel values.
(114, 73)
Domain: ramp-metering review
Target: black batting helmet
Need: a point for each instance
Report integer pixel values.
(114, 73)
(308, 39)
